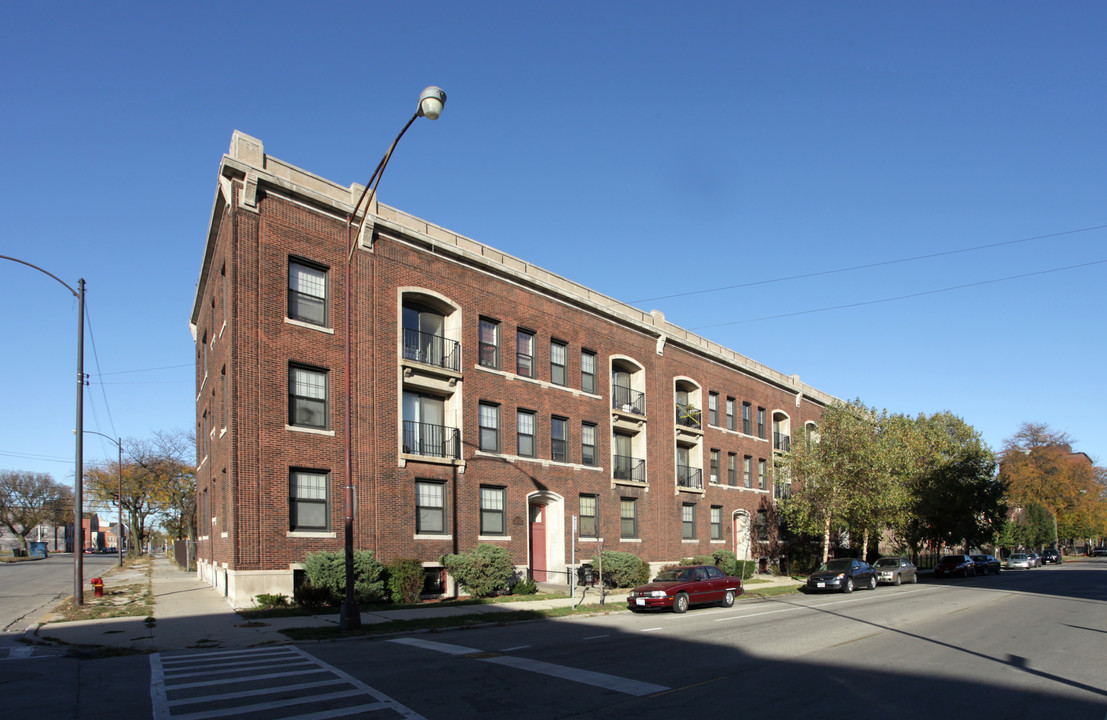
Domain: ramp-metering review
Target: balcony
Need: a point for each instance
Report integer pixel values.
(627, 400)
(689, 477)
(437, 441)
(433, 350)
(629, 469)
(688, 416)
(782, 442)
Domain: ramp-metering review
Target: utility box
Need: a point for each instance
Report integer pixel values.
(37, 549)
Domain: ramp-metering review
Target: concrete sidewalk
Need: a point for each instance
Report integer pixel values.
(189, 614)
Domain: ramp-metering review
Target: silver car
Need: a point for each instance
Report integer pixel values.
(1020, 560)
(895, 570)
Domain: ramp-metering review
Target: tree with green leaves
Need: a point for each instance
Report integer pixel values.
(837, 472)
(29, 499)
(955, 497)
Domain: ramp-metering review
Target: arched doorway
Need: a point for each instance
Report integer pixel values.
(546, 537)
(742, 535)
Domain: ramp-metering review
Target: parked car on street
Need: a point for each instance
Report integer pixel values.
(1019, 560)
(951, 565)
(986, 564)
(1051, 556)
(1100, 552)
(843, 574)
(678, 588)
(1035, 558)
(895, 570)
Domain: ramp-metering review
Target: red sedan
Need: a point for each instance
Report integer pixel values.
(679, 588)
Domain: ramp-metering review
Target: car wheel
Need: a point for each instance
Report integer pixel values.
(899, 580)
(680, 603)
(728, 599)
(848, 587)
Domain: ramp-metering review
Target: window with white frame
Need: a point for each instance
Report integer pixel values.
(488, 342)
(688, 521)
(762, 474)
(628, 518)
(559, 439)
(713, 408)
(716, 522)
(731, 422)
(588, 443)
(747, 471)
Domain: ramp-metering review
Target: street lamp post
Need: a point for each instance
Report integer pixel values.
(431, 102)
(119, 490)
(78, 460)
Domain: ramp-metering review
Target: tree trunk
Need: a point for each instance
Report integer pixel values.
(865, 546)
(826, 539)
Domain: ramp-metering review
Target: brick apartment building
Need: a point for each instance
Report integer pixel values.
(493, 401)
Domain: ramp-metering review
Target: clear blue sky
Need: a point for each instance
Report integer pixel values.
(642, 149)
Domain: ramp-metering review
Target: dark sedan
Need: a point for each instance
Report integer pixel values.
(951, 565)
(680, 587)
(843, 574)
(1051, 556)
(986, 564)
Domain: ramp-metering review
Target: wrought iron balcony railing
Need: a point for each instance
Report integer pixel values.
(688, 416)
(629, 468)
(627, 400)
(431, 440)
(432, 349)
(689, 477)
(782, 442)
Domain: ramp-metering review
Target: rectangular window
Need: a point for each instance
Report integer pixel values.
(688, 521)
(761, 423)
(524, 353)
(307, 500)
(732, 469)
(747, 418)
(489, 427)
(430, 508)
(628, 518)
(307, 293)
(731, 422)
(747, 471)
(588, 522)
(588, 371)
(307, 397)
(763, 525)
(488, 341)
(716, 522)
(225, 392)
(559, 439)
(525, 433)
(492, 503)
(588, 443)
(559, 358)
(714, 466)
(713, 408)
(762, 475)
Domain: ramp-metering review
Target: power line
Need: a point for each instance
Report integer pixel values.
(902, 297)
(868, 265)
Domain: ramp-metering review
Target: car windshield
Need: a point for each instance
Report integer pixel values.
(674, 575)
(1018, 556)
(887, 562)
(835, 566)
(980, 558)
(952, 560)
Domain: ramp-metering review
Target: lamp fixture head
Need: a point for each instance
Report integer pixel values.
(431, 102)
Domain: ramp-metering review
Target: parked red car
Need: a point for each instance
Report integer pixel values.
(679, 588)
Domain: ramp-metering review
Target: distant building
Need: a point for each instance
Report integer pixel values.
(492, 401)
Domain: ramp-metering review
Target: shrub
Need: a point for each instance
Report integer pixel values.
(328, 570)
(526, 586)
(484, 570)
(699, 560)
(405, 580)
(266, 601)
(729, 563)
(622, 569)
(312, 598)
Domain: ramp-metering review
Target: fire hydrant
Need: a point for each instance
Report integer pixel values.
(97, 587)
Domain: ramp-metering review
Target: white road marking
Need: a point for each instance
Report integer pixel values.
(796, 608)
(595, 637)
(517, 647)
(585, 677)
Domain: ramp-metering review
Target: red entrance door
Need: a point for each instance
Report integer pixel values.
(538, 542)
